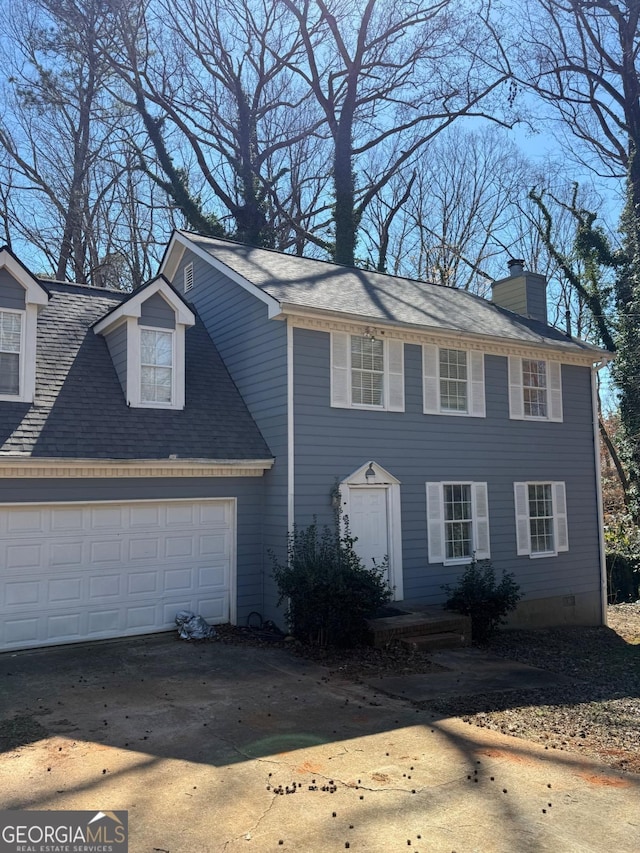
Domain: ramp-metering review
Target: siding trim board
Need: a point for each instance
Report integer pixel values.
(80, 468)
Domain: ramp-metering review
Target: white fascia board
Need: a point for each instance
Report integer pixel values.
(35, 292)
(168, 263)
(172, 257)
(133, 307)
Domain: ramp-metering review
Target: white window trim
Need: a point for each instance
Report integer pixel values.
(523, 517)
(436, 531)
(431, 397)
(26, 356)
(554, 391)
(134, 367)
(393, 377)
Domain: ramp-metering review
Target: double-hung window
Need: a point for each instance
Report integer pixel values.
(367, 372)
(535, 389)
(457, 522)
(453, 381)
(156, 365)
(10, 352)
(541, 518)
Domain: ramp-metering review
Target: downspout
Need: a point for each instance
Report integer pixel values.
(596, 446)
(290, 434)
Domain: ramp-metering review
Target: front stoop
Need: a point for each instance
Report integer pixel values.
(421, 628)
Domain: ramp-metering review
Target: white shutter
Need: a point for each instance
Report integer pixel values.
(435, 522)
(430, 380)
(481, 521)
(560, 517)
(555, 390)
(516, 400)
(395, 375)
(477, 406)
(340, 370)
(523, 529)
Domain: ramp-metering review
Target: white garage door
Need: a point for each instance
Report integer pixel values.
(77, 572)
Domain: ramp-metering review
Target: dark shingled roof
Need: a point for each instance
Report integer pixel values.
(374, 296)
(80, 410)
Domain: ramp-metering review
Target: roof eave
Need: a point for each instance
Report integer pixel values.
(590, 352)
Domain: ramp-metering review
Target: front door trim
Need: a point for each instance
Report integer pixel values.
(379, 478)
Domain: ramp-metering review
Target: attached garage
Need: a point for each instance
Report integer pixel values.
(87, 571)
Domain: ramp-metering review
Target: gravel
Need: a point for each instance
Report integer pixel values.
(597, 716)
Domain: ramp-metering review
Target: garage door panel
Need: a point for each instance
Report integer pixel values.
(104, 586)
(66, 554)
(22, 632)
(142, 549)
(68, 520)
(23, 556)
(57, 586)
(142, 583)
(107, 551)
(22, 593)
(148, 517)
(65, 590)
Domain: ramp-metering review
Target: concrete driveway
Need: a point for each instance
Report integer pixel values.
(225, 748)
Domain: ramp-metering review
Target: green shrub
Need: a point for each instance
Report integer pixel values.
(478, 595)
(330, 593)
(623, 578)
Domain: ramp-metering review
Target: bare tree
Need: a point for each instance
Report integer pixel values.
(388, 78)
(62, 138)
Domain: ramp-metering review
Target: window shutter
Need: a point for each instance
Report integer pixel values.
(560, 517)
(523, 530)
(435, 522)
(430, 380)
(481, 521)
(477, 406)
(555, 390)
(395, 375)
(340, 372)
(516, 401)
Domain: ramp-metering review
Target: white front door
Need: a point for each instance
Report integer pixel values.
(369, 523)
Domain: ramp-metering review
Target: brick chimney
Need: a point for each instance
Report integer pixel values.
(522, 292)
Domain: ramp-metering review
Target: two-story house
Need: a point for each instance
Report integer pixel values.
(225, 401)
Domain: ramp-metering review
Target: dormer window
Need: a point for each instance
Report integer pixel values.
(145, 335)
(10, 352)
(156, 361)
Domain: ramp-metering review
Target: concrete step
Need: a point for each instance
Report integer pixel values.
(419, 622)
(433, 642)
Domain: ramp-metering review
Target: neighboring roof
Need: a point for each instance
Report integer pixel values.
(80, 410)
(377, 297)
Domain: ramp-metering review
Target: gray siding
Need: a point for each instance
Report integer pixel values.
(247, 490)
(417, 448)
(254, 350)
(117, 343)
(155, 311)
(12, 294)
